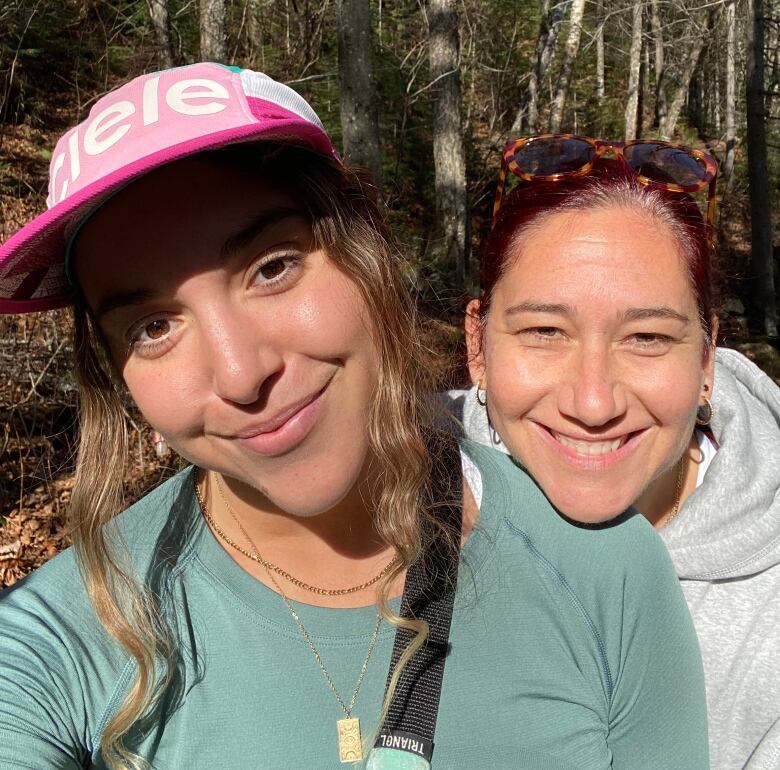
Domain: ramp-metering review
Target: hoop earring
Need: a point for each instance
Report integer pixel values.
(476, 393)
(160, 445)
(710, 410)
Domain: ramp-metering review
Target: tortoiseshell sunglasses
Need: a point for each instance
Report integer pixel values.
(662, 165)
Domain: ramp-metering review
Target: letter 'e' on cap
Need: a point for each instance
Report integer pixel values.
(152, 120)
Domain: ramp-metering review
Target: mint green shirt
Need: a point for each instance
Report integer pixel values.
(571, 649)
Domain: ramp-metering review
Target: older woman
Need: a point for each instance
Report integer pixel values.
(592, 351)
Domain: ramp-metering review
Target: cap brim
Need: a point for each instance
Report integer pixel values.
(32, 261)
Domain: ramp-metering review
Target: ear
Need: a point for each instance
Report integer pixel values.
(709, 359)
(474, 354)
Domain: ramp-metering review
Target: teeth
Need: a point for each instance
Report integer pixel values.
(590, 447)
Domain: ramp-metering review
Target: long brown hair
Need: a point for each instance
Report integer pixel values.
(348, 225)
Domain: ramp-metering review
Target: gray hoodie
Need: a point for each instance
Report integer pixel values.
(725, 544)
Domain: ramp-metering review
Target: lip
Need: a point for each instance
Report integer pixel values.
(287, 429)
(592, 462)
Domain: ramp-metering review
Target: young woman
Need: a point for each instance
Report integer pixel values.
(592, 352)
(233, 276)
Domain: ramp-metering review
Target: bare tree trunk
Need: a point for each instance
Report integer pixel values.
(158, 10)
(449, 158)
(731, 97)
(569, 57)
(761, 268)
(695, 49)
(659, 63)
(634, 67)
(600, 52)
(254, 30)
(213, 41)
(645, 58)
(527, 118)
(359, 121)
(716, 100)
(642, 88)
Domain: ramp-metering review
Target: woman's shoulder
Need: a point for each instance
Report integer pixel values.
(627, 546)
(51, 639)
(613, 585)
(163, 518)
(737, 378)
(135, 532)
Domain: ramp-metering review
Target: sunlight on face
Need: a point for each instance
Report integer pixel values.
(240, 340)
(593, 358)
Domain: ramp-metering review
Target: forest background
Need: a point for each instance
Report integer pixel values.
(424, 94)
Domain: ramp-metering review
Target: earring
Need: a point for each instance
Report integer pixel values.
(160, 445)
(708, 410)
(476, 394)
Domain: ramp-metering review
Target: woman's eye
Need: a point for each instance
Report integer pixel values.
(272, 269)
(543, 333)
(276, 269)
(150, 335)
(649, 338)
(650, 342)
(157, 328)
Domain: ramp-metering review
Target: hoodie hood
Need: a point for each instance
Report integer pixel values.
(729, 527)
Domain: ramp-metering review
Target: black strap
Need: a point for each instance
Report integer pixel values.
(429, 593)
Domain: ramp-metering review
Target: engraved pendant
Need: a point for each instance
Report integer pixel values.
(350, 742)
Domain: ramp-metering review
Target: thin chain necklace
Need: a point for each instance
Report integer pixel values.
(348, 729)
(255, 556)
(677, 492)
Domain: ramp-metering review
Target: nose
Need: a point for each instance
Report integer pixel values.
(242, 358)
(594, 393)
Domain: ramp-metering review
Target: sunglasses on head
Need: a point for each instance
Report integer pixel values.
(656, 164)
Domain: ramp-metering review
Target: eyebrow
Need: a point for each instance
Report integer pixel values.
(243, 238)
(645, 313)
(540, 307)
(633, 314)
(121, 299)
(232, 245)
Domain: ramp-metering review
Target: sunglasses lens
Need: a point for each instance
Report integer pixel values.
(665, 164)
(554, 155)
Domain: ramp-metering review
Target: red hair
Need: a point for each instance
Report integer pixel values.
(609, 184)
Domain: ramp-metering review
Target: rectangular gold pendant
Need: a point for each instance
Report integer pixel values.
(350, 742)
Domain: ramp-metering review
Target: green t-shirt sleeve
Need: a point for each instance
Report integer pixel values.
(658, 711)
(58, 670)
(40, 713)
(620, 618)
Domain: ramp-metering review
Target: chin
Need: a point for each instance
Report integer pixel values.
(307, 504)
(592, 507)
(316, 488)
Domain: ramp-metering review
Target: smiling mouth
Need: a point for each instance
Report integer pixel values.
(282, 417)
(591, 448)
(287, 429)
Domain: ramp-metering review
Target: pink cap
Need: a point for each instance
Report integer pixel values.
(146, 123)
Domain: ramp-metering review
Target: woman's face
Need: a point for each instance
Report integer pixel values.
(240, 340)
(593, 358)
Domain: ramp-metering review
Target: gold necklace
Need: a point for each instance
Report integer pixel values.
(677, 493)
(350, 740)
(278, 570)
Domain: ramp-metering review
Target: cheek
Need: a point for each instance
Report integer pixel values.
(511, 376)
(333, 322)
(515, 387)
(670, 391)
(165, 396)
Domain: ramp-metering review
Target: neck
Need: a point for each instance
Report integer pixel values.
(337, 549)
(657, 502)
(347, 528)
